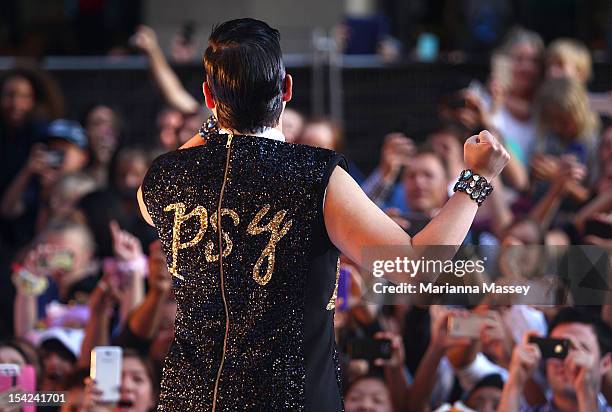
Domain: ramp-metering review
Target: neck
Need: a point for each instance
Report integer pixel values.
(278, 127)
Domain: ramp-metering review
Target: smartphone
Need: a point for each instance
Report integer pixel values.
(54, 157)
(106, 371)
(551, 348)
(468, 327)
(23, 376)
(369, 349)
(501, 70)
(61, 260)
(58, 260)
(187, 31)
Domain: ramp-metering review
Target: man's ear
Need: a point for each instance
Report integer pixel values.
(287, 88)
(210, 103)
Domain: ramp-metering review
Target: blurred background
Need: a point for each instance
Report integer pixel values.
(91, 91)
(383, 42)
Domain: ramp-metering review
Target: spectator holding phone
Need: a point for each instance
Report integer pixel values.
(59, 267)
(65, 151)
(380, 186)
(27, 100)
(138, 390)
(575, 379)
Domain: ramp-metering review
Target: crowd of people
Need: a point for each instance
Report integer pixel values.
(80, 268)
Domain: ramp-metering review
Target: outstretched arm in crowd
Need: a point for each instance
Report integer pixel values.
(525, 360)
(101, 304)
(145, 319)
(24, 313)
(25, 305)
(426, 376)
(601, 204)
(165, 78)
(128, 252)
(396, 376)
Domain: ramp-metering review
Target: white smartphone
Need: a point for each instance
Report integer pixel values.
(469, 326)
(106, 371)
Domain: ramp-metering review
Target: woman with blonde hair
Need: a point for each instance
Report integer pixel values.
(566, 123)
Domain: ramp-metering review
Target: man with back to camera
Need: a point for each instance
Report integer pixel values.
(252, 228)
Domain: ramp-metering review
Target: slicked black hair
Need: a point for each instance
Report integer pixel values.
(245, 74)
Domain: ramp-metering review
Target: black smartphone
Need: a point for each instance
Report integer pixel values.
(187, 31)
(597, 228)
(550, 347)
(369, 349)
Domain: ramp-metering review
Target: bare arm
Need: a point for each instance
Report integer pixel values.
(165, 78)
(145, 319)
(101, 304)
(25, 313)
(143, 208)
(548, 206)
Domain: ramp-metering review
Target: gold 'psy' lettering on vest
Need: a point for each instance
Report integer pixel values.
(276, 233)
(208, 252)
(179, 218)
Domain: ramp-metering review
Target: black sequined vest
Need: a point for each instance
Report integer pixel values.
(254, 274)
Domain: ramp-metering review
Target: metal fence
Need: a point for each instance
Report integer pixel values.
(370, 98)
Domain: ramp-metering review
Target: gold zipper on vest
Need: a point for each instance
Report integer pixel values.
(227, 320)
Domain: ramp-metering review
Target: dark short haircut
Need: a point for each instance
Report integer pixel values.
(245, 74)
(578, 315)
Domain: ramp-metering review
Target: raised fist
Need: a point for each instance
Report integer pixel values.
(144, 39)
(485, 155)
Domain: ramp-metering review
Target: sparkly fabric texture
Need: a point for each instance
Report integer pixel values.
(271, 213)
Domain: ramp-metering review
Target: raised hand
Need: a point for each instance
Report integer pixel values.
(525, 359)
(395, 153)
(397, 350)
(145, 39)
(440, 338)
(125, 245)
(485, 155)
